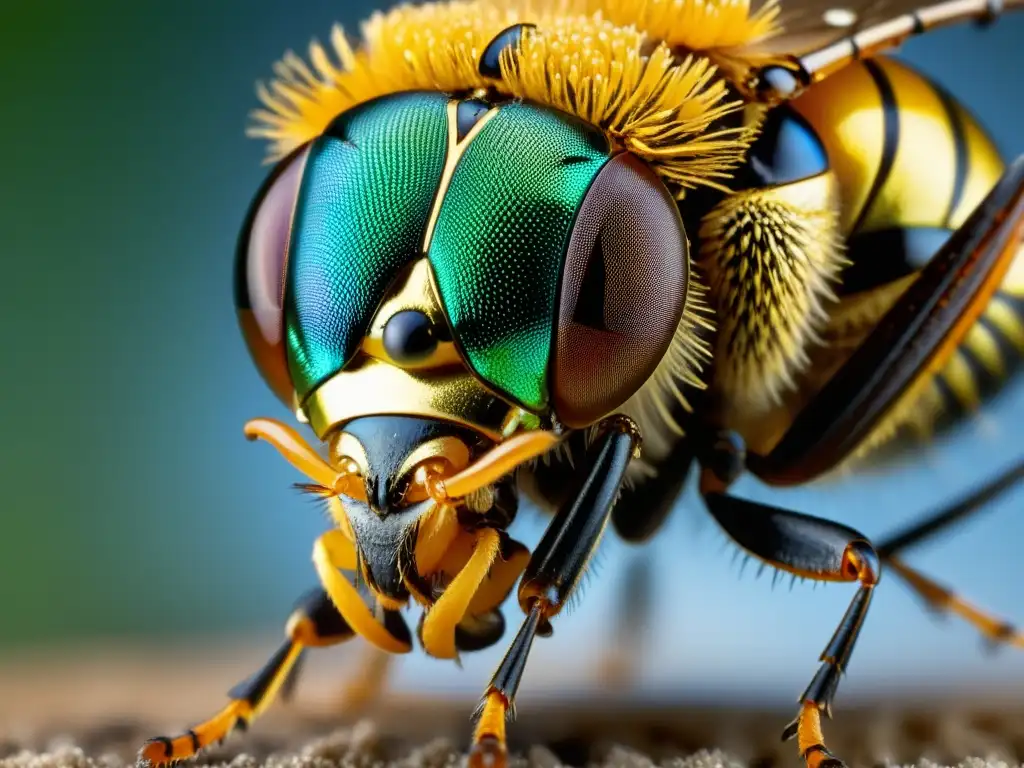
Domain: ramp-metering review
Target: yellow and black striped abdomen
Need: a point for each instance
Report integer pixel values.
(911, 165)
(905, 152)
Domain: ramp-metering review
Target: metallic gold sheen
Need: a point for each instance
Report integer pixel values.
(413, 290)
(456, 149)
(369, 386)
(450, 449)
(499, 245)
(346, 447)
(846, 112)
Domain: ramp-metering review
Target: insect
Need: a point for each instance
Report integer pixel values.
(578, 250)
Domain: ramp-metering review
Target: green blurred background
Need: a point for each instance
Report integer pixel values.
(132, 505)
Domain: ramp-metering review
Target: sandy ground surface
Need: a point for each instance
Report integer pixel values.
(94, 712)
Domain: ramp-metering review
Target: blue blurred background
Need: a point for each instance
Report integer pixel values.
(134, 509)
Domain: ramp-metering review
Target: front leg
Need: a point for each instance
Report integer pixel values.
(805, 546)
(314, 623)
(551, 576)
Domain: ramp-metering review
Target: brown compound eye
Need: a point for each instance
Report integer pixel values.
(260, 265)
(623, 291)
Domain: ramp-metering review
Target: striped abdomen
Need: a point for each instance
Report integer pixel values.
(912, 164)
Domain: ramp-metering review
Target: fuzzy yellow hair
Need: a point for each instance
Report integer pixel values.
(579, 58)
(653, 105)
(696, 25)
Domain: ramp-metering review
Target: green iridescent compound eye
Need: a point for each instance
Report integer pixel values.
(498, 247)
(363, 206)
(501, 237)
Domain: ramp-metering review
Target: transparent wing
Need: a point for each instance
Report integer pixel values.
(808, 25)
(819, 37)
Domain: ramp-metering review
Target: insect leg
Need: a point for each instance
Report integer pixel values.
(807, 547)
(551, 576)
(914, 339)
(643, 508)
(372, 668)
(313, 623)
(935, 595)
(385, 629)
(617, 667)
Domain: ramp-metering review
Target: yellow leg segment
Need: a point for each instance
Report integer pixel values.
(489, 747)
(331, 552)
(369, 681)
(439, 625)
(810, 739)
(248, 700)
(315, 623)
(944, 599)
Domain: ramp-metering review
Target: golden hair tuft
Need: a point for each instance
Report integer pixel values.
(657, 107)
(696, 25)
(666, 109)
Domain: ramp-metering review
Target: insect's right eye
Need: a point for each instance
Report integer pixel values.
(260, 265)
(623, 291)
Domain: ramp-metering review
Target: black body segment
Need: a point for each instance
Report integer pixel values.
(469, 113)
(475, 633)
(506, 40)
(886, 255)
(643, 508)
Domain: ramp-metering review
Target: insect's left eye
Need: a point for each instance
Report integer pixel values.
(623, 291)
(260, 265)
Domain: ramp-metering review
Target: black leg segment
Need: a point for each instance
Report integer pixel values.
(813, 548)
(570, 540)
(954, 513)
(805, 546)
(553, 573)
